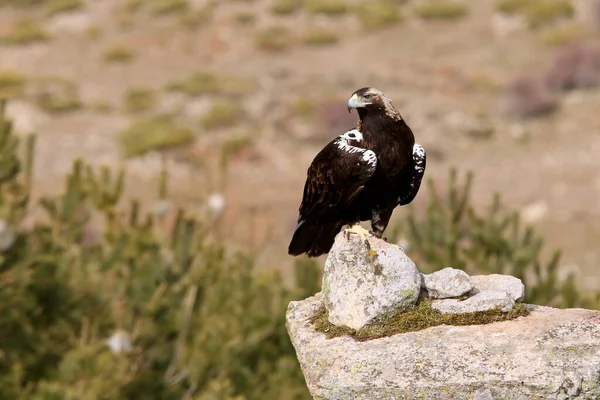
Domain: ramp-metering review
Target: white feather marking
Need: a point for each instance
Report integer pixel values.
(342, 143)
(419, 157)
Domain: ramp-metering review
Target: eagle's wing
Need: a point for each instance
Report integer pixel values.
(336, 176)
(418, 163)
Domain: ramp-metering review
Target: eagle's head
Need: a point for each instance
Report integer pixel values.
(367, 98)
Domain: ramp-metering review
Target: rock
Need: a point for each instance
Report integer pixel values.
(364, 281)
(513, 286)
(483, 301)
(448, 282)
(550, 354)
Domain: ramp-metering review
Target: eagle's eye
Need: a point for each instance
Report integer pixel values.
(368, 96)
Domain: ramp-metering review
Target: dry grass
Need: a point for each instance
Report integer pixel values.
(57, 96)
(139, 100)
(285, 7)
(206, 82)
(328, 7)
(118, 54)
(419, 318)
(54, 7)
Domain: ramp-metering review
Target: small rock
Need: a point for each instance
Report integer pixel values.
(513, 286)
(366, 280)
(482, 301)
(448, 282)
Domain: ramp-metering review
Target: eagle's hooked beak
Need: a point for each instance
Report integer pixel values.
(353, 102)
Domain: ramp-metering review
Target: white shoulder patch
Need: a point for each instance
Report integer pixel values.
(419, 158)
(370, 157)
(353, 134)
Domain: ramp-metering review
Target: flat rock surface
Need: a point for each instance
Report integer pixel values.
(447, 282)
(367, 279)
(550, 354)
(512, 285)
(482, 301)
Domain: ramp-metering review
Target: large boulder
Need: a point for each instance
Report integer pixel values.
(549, 354)
(366, 279)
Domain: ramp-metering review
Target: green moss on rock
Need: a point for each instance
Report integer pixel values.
(423, 316)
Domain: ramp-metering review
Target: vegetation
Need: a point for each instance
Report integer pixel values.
(153, 133)
(59, 6)
(138, 100)
(275, 39)
(12, 84)
(538, 13)
(285, 7)
(441, 9)
(564, 34)
(378, 14)
(205, 82)
(132, 308)
(169, 7)
(57, 95)
(118, 54)
(223, 115)
(320, 36)
(420, 317)
(329, 7)
(25, 31)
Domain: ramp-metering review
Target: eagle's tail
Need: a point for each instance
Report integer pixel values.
(314, 240)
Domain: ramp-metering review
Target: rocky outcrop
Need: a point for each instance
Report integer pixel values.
(366, 279)
(549, 354)
(447, 282)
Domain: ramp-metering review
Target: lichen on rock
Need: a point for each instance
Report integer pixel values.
(367, 280)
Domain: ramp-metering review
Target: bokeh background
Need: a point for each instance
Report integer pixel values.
(212, 111)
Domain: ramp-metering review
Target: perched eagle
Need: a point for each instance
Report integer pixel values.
(361, 175)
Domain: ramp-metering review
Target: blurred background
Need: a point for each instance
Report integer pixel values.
(144, 227)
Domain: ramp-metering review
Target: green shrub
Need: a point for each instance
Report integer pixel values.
(138, 100)
(207, 82)
(453, 233)
(223, 115)
(56, 95)
(329, 7)
(153, 133)
(543, 12)
(378, 14)
(12, 84)
(440, 9)
(285, 7)
(274, 39)
(25, 31)
(59, 6)
(320, 36)
(191, 317)
(168, 7)
(118, 54)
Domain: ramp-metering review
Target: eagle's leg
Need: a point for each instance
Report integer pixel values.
(356, 228)
(380, 221)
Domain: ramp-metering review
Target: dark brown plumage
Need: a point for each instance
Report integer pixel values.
(361, 175)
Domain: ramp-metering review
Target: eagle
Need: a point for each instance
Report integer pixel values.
(361, 175)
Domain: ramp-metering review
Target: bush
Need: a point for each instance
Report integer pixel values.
(223, 115)
(138, 100)
(25, 31)
(378, 14)
(129, 307)
(56, 95)
(205, 82)
(441, 9)
(118, 54)
(320, 36)
(12, 84)
(529, 97)
(285, 7)
(274, 39)
(452, 233)
(153, 133)
(329, 7)
(574, 66)
(59, 6)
